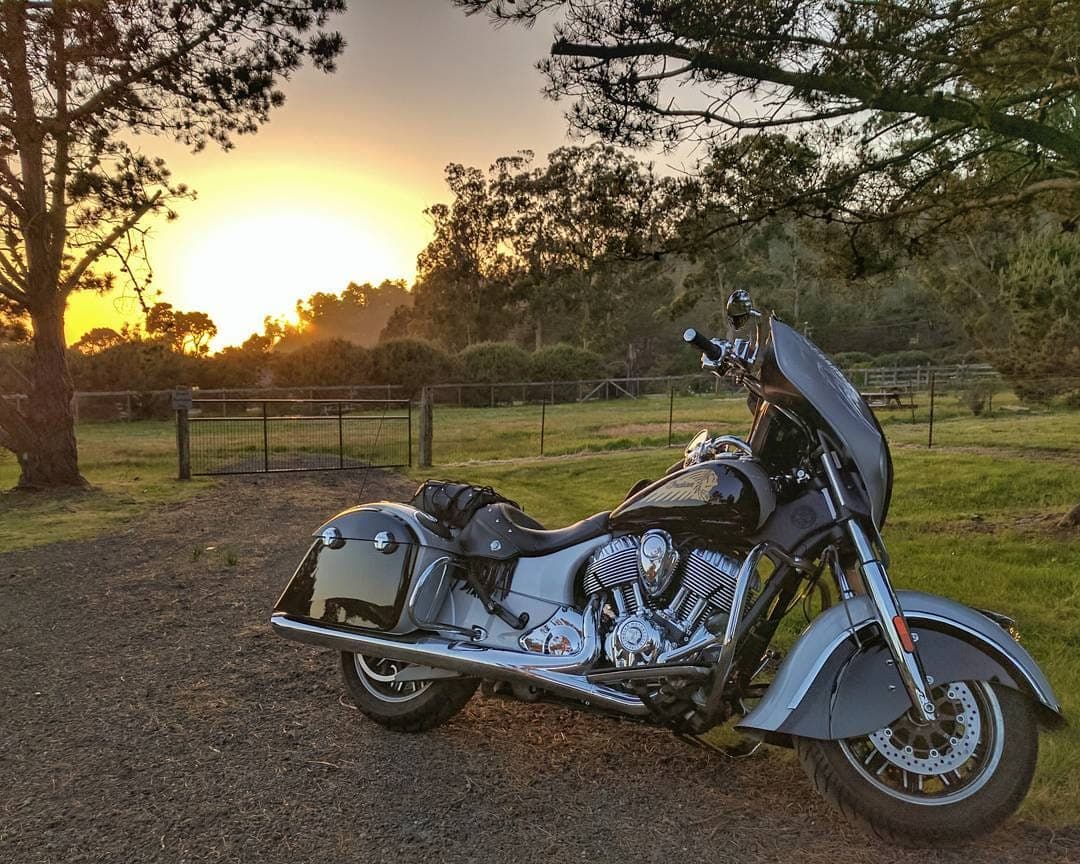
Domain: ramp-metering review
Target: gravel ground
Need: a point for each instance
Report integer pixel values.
(148, 714)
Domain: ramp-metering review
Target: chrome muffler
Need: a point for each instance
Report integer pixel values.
(556, 674)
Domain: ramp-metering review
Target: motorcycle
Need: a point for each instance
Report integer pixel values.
(917, 717)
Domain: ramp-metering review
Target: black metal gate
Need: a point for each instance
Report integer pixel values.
(244, 436)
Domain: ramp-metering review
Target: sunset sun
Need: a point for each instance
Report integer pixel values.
(250, 263)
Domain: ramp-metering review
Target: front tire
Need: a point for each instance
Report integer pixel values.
(413, 706)
(943, 784)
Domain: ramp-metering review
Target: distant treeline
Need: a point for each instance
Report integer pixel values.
(154, 364)
(592, 264)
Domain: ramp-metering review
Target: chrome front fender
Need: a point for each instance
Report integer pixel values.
(838, 680)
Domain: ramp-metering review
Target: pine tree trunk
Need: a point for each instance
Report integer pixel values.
(48, 456)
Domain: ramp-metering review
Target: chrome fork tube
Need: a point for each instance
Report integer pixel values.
(886, 607)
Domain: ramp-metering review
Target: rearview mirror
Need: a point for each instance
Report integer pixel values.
(740, 307)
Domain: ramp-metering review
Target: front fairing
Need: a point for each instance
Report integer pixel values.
(797, 377)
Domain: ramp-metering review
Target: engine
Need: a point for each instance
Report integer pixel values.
(658, 598)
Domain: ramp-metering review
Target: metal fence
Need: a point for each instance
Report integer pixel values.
(952, 407)
(132, 405)
(244, 436)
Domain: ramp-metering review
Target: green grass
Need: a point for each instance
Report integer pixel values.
(131, 466)
(965, 521)
(513, 432)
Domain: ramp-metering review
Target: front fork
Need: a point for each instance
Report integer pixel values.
(887, 610)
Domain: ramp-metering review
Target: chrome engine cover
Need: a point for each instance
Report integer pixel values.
(634, 640)
(657, 560)
(562, 634)
(658, 598)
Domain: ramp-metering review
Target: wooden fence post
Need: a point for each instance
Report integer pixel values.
(182, 405)
(426, 424)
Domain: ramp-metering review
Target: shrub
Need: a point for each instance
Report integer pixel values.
(141, 365)
(325, 363)
(492, 362)
(412, 363)
(852, 359)
(902, 358)
(564, 362)
(975, 396)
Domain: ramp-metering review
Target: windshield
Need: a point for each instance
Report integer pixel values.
(796, 375)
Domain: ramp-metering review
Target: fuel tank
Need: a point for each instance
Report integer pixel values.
(359, 571)
(731, 496)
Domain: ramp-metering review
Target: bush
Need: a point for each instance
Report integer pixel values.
(902, 358)
(325, 363)
(492, 362)
(564, 362)
(975, 396)
(852, 359)
(142, 365)
(412, 363)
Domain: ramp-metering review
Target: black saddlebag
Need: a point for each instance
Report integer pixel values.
(454, 504)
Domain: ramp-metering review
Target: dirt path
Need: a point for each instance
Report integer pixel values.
(147, 714)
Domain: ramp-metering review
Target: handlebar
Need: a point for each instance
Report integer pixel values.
(707, 347)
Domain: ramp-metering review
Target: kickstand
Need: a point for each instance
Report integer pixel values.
(747, 747)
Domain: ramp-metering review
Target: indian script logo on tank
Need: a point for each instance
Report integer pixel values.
(692, 486)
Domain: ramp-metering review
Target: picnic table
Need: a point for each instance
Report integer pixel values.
(891, 399)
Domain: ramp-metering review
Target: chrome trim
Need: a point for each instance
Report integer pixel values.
(410, 605)
(747, 572)
(733, 441)
(886, 607)
(556, 674)
(657, 560)
(705, 639)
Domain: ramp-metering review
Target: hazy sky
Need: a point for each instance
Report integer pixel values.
(333, 188)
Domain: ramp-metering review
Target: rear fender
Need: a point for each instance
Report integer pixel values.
(839, 681)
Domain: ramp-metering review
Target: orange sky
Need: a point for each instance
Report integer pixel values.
(333, 188)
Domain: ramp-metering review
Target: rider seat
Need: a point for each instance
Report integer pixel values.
(503, 531)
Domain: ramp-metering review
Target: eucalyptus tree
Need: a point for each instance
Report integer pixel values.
(79, 80)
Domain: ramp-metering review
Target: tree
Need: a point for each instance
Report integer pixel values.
(1026, 297)
(906, 108)
(462, 287)
(14, 326)
(79, 79)
(359, 314)
(97, 340)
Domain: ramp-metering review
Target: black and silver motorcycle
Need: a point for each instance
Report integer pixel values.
(916, 716)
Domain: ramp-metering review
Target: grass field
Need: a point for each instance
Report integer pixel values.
(477, 434)
(972, 519)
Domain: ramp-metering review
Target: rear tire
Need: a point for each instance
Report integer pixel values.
(415, 706)
(919, 810)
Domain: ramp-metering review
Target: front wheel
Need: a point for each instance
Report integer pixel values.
(939, 784)
(405, 706)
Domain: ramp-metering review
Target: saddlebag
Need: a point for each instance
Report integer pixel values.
(454, 504)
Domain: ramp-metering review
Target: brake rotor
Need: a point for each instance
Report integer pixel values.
(937, 747)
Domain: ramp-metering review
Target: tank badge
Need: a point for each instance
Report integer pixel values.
(384, 541)
(690, 486)
(657, 560)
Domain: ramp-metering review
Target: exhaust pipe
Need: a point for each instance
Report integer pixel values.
(556, 674)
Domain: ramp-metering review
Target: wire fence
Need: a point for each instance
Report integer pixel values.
(243, 436)
(969, 410)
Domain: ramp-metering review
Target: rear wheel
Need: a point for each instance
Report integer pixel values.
(406, 706)
(936, 784)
